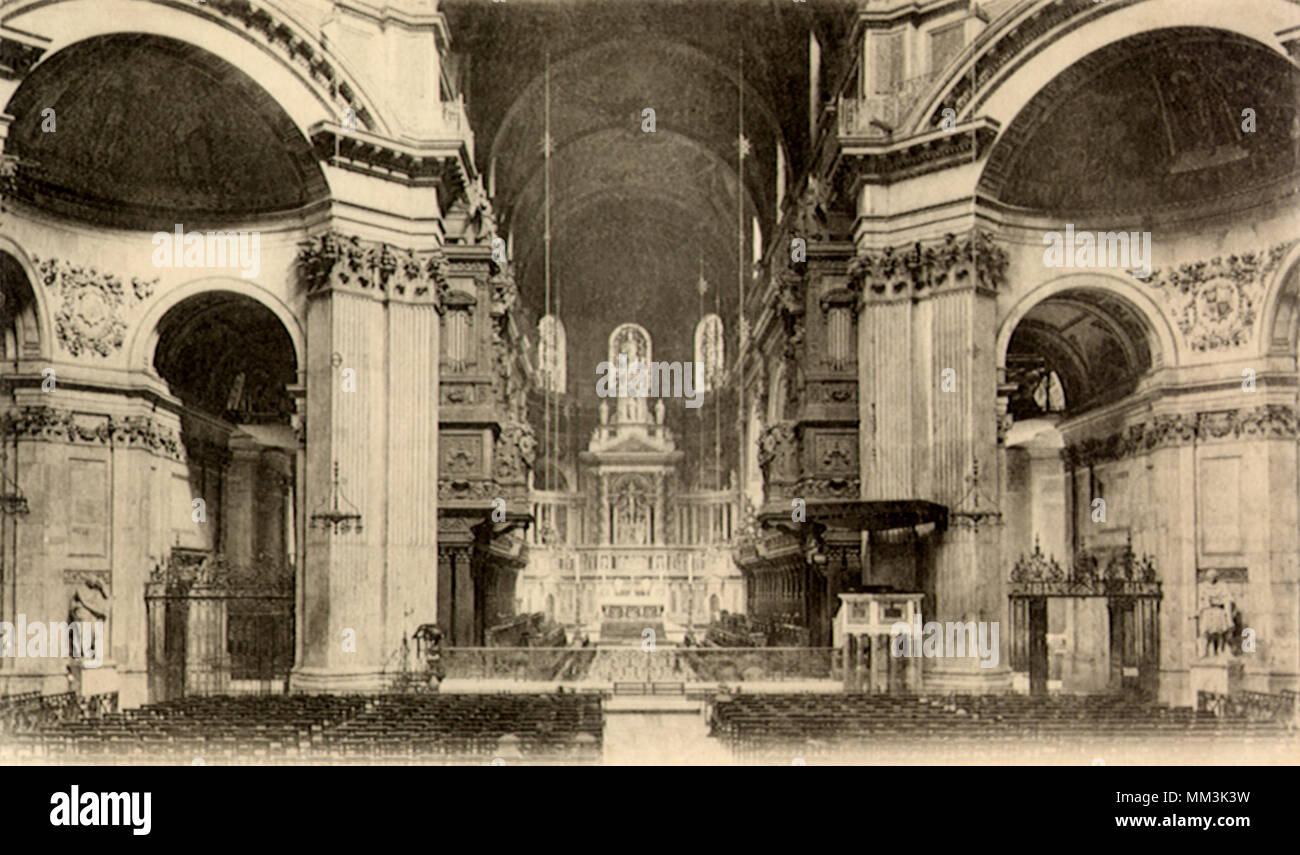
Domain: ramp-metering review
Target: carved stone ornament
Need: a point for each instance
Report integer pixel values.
(912, 269)
(334, 260)
(504, 291)
(1272, 421)
(51, 424)
(776, 450)
(88, 317)
(1215, 303)
(514, 453)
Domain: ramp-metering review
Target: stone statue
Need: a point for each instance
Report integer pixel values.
(90, 604)
(1214, 610)
(659, 411)
(428, 644)
(604, 412)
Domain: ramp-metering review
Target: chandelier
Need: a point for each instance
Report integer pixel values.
(336, 518)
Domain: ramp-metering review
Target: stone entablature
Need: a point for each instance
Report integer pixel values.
(1268, 422)
(53, 424)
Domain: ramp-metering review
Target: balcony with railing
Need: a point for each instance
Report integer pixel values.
(878, 116)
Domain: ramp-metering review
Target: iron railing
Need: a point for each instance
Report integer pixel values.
(632, 664)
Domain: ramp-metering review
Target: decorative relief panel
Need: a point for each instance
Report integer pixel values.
(1215, 303)
(87, 521)
(462, 456)
(833, 393)
(89, 305)
(458, 394)
(829, 488)
(1219, 513)
(835, 453)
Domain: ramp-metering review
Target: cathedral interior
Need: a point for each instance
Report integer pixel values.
(818, 227)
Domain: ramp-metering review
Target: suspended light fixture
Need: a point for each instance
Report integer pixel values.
(336, 518)
(13, 502)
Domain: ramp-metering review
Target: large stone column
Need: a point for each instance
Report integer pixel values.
(929, 416)
(372, 403)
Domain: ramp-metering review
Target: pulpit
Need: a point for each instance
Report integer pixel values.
(864, 629)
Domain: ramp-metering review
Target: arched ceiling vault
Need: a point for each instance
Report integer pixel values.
(1096, 343)
(1152, 123)
(635, 215)
(128, 151)
(229, 356)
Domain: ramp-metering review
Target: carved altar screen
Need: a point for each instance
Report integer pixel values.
(632, 511)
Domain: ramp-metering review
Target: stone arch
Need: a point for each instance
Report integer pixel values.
(36, 317)
(229, 356)
(1022, 51)
(1279, 327)
(144, 339)
(307, 80)
(1085, 335)
(1164, 349)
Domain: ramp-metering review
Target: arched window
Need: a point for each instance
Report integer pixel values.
(630, 346)
(709, 353)
(551, 349)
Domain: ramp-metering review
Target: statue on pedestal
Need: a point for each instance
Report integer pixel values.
(89, 605)
(428, 644)
(1214, 615)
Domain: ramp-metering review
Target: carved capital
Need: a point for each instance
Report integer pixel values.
(333, 260)
(972, 259)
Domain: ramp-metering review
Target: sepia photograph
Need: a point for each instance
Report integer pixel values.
(606, 383)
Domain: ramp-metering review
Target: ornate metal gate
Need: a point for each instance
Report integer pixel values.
(1133, 603)
(216, 627)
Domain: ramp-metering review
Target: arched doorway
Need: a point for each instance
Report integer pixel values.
(229, 581)
(1084, 605)
(21, 330)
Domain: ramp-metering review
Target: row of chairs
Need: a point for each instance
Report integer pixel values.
(321, 728)
(768, 724)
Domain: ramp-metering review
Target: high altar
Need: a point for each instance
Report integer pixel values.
(637, 550)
